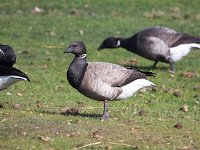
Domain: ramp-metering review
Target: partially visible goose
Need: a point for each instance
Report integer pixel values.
(7, 55)
(103, 81)
(159, 44)
(10, 75)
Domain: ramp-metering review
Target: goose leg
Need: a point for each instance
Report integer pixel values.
(172, 67)
(105, 112)
(154, 65)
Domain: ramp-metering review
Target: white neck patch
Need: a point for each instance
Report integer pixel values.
(1, 52)
(118, 43)
(83, 56)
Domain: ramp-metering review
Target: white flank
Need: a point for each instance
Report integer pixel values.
(6, 81)
(131, 88)
(176, 53)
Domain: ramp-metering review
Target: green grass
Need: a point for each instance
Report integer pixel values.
(39, 41)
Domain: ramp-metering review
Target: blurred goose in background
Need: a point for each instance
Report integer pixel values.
(7, 55)
(8, 74)
(103, 81)
(159, 44)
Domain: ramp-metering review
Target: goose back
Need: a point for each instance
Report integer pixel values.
(171, 37)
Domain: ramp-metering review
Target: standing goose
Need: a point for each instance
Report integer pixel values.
(159, 44)
(7, 55)
(103, 81)
(10, 75)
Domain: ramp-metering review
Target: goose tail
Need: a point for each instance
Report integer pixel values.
(147, 73)
(176, 53)
(131, 88)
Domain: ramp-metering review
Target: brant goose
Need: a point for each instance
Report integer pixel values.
(159, 44)
(10, 75)
(7, 55)
(103, 81)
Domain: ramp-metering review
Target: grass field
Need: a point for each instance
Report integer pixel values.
(49, 114)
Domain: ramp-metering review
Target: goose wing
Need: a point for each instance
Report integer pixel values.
(113, 74)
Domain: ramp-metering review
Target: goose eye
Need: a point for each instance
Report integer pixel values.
(75, 45)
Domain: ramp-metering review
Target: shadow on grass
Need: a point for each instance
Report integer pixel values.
(96, 116)
(73, 113)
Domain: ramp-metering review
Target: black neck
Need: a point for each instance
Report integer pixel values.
(129, 44)
(76, 71)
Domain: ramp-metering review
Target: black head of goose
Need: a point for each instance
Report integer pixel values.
(159, 44)
(7, 55)
(10, 75)
(103, 81)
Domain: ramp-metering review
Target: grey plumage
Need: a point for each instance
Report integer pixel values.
(159, 44)
(104, 80)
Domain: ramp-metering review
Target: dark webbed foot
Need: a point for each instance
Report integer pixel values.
(105, 112)
(154, 65)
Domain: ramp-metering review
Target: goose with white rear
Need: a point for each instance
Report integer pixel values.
(159, 44)
(103, 81)
(7, 55)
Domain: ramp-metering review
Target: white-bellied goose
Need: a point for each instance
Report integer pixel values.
(7, 55)
(103, 81)
(159, 44)
(10, 75)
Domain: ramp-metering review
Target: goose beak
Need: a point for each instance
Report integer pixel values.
(68, 50)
